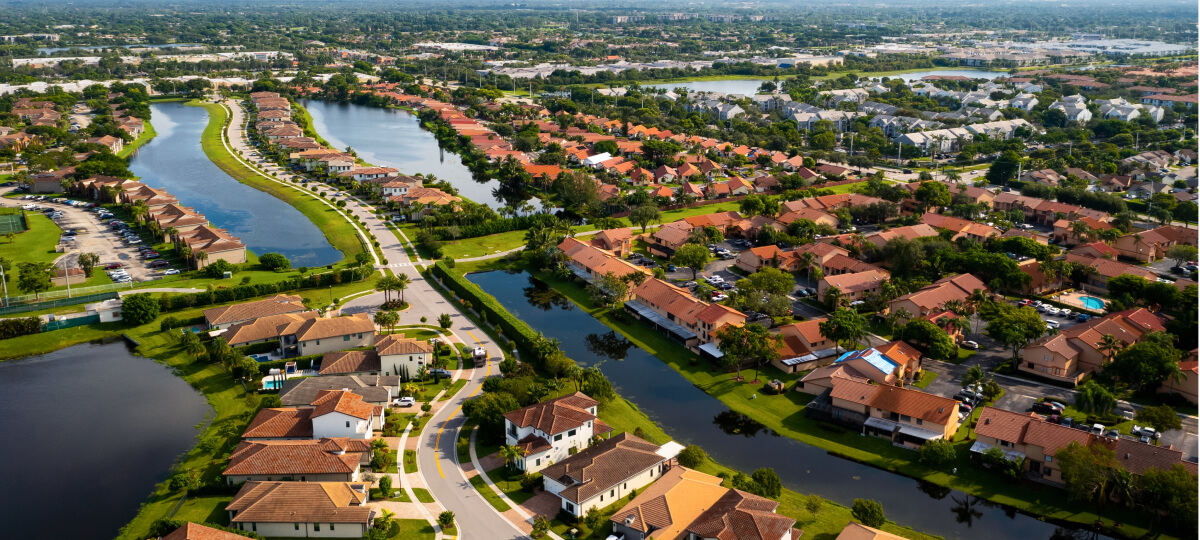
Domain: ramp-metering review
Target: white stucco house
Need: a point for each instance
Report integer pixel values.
(547, 432)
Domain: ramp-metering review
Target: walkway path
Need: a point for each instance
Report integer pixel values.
(437, 459)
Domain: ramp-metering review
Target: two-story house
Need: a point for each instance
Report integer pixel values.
(393, 355)
(548, 432)
(804, 347)
(680, 315)
(302, 509)
(314, 460)
(606, 472)
(1071, 354)
(907, 417)
(227, 316)
(334, 413)
(933, 297)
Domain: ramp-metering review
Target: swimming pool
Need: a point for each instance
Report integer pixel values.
(1092, 303)
(272, 384)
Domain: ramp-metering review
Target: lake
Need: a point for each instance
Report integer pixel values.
(394, 138)
(750, 86)
(88, 431)
(174, 161)
(689, 415)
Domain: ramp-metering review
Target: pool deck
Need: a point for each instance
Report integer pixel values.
(1074, 299)
(286, 376)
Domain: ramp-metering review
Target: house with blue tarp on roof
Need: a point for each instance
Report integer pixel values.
(889, 363)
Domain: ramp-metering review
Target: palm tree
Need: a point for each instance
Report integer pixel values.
(1109, 236)
(386, 285)
(897, 319)
(510, 453)
(384, 521)
(138, 210)
(1082, 232)
(1109, 346)
(808, 261)
(402, 281)
(192, 345)
(976, 300)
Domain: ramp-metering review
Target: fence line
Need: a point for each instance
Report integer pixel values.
(75, 291)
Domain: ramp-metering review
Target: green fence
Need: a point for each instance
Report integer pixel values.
(71, 323)
(12, 223)
(57, 303)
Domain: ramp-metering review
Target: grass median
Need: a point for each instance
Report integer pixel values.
(341, 234)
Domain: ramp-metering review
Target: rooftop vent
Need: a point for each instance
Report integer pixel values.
(987, 421)
(629, 519)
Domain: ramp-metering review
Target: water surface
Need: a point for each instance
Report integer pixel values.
(691, 416)
(173, 160)
(88, 431)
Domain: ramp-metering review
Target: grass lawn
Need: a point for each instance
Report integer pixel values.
(454, 388)
(33, 245)
(423, 495)
(401, 495)
(508, 480)
(489, 495)
(784, 414)
(926, 378)
(340, 233)
(205, 509)
(410, 461)
(415, 529)
(482, 245)
(844, 188)
(147, 134)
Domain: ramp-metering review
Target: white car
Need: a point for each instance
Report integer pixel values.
(1052, 324)
(719, 297)
(170, 272)
(1065, 312)
(407, 401)
(1052, 311)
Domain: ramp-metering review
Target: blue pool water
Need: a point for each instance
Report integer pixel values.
(1092, 303)
(272, 385)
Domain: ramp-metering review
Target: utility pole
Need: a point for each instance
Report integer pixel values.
(4, 280)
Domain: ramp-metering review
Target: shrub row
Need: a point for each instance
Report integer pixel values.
(256, 348)
(302, 362)
(514, 328)
(11, 328)
(497, 226)
(219, 296)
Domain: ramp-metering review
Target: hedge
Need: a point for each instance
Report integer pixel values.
(512, 327)
(497, 226)
(172, 302)
(11, 328)
(256, 348)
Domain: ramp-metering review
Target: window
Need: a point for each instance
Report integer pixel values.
(905, 418)
(537, 462)
(558, 437)
(318, 342)
(571, 433)
(612, 493)
(920, 422)
(347, 423)
(254, 527)
(570, 507)
(296, 526)
(316, 526)
(346, 337)
(601, 497)
(1049, 458)
(331, 526)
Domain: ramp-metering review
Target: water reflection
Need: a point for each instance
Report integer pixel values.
(736, 423)
(611, 345)
(541, 296)
(964, 509)
(933, 490)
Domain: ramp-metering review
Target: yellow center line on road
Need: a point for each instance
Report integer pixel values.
(437, 443)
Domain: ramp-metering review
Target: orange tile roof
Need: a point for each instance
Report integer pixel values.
(862, 281)
(288, 458)
(302, 502)
(193, 531)
(341, 401)
(555, 416)
(280, 424)
(275, 305)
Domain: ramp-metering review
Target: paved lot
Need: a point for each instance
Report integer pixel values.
(94, 237)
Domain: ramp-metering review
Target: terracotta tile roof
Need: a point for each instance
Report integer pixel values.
(936, 294)
(192, 531)
(280, 424)
(715, 312)
(742, 516)
(911, 232)
(302, 502)
(557, 415)
(1052, 437)
(811, 330)
(340, 401)
(340, 362)
(270, 327)
(1110, 268)
(256, 458)
(1095, 250)
(1138, 457)
(335, 327)
(862, 281)
(398, 344)
(1003, 425)
(914, 403)
(373, 388)
(210, 239)
(838, 371)
(275, 305)
(597, 261)
(856, 531)
(848, 264)
(532, 444)
(602, 466)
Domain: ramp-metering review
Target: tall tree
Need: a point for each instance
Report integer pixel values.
(751, 342)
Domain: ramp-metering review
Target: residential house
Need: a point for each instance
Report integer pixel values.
(590, 263)
(210, 244)
(333, 414)
(302, 509)
(804, 347)
(315, 460)
(606, 472)
(322, 335)
(1186, 387)
(1105, 269)
(853, 287)
(906, 416)
(1065, 233)
(114, 144)
(816, 216)
(961, 228)
(856, 531)
(1071, 354)
(375, 389)
(194, 531)
(933, 297)
(1096, 250)
(1032, 441)
(686, 504)
(50, 181)
(265, 328)
(394, 354)
(226, 316)
(680, 315)
(910, 232)
(548, 432)
(668, 238)
(617, 241)
(893, 363)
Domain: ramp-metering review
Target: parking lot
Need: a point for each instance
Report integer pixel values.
(91, 235)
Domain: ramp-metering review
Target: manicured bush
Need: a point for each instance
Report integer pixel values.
(139, 309)
(936, 452)
(10, 328)
(869, 512)
(692, 456)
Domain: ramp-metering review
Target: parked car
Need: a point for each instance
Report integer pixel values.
(1097, 429)
(1052, 310)
(1083, 317)
(1052, 324)
(440, 373)
(670, 268)
(406, 401)
(170, 272)
(1177, 270)
(1113, 434)
(971, 345)
(718, 297)
(1045, 407)
(1025, 302)
(1067, 313)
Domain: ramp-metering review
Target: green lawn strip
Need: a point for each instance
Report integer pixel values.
(410, 461)
(233, 409)
(205, 509)
(340, 233)
(148, 133)
(844, 188)
(462, 445)
(35, 344)
(481, 246)
(306, 120)
(414, 529)
(508, 480)
(33, 245)
(454, 388)
(926, 378)
(400, 495)
(423, 495)
(784, 414)
(489, 495)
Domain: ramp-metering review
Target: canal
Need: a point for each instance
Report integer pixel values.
(394, 138)
(174, 160)
(689, 415)
(88, 431)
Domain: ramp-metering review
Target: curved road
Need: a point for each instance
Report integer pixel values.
(436, 455)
